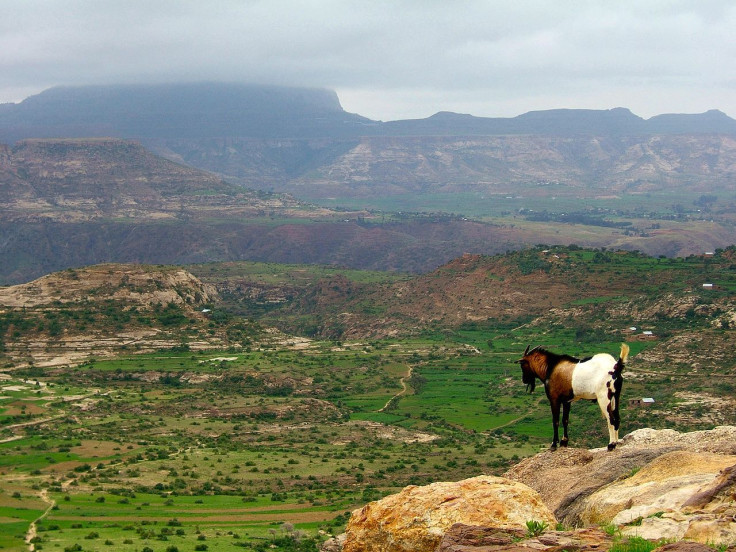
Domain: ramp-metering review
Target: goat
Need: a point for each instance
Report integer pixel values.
(568, 379)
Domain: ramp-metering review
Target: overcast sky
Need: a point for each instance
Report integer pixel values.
(392, 59)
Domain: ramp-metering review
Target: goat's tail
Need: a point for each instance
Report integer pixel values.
(621, 362)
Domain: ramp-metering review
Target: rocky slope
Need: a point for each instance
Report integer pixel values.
(543, 283)
(70, 316)
(656, 485)
(72, 181)
(538, 166)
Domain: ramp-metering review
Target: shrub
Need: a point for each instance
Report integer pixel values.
(535, 528)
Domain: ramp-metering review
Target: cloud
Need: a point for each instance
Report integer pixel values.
(390, 59)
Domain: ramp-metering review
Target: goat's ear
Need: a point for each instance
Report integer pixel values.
(526, 351)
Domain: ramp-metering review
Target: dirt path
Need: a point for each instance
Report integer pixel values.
(32, 528)
(404, 389)
(528, 412)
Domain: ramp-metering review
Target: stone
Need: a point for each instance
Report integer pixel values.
(417, 518)
(335, 544)
(464, 538)
(659, 471)
(664, 484)
(683, 546)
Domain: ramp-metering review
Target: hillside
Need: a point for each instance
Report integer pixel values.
(606, 291)
(95, 312)
(301, 141)
(585, 167)
(69, 203)
(80, 184)
(66, 180)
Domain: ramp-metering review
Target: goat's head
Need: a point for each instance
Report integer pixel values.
(528, 374)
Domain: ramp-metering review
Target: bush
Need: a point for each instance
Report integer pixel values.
(535, 528)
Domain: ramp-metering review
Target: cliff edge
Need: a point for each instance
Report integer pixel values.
(658, 485)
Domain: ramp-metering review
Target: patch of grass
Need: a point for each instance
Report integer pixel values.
(635, 544)
(534, 528)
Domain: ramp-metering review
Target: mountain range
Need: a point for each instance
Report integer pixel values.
(209, 110)
(196, 172)
(301, 141)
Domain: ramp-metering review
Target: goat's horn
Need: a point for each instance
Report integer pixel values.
(526, 351)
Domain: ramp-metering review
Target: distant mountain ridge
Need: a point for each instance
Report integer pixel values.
(301, 141)
(79, 184)
(202, 110)
(195, 110)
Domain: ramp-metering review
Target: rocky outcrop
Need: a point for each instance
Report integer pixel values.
(663, 484)
(132, 284)
(657, 484)
(95, 312)
(417, 518)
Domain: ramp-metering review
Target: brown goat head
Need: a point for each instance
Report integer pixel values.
(528, 375)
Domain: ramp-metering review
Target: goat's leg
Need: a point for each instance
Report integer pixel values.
(607, 410)
(555, 423)
(565, 419)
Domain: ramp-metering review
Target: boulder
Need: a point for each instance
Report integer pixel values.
(662, 485)
(656, 484)
(464, 538)
(567, 478)
(416, 519)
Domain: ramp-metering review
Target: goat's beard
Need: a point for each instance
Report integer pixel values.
(530, 386)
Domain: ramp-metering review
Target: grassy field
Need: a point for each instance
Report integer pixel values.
(261, 448)
(654, 205)
(239, 449)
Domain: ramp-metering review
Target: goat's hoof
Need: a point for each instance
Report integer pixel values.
(611, 446)
(563, 443)
(553, 447)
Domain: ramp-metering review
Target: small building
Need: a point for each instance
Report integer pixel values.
(644, 402)
(707, 286)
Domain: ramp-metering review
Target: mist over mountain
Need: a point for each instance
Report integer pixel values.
(198, 110)
(206, 110)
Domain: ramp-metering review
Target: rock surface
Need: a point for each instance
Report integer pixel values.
(465, 538)
(417, 518)
(656, 484)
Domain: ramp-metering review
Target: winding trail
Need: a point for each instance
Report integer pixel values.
(404, 389)
(32, 528)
